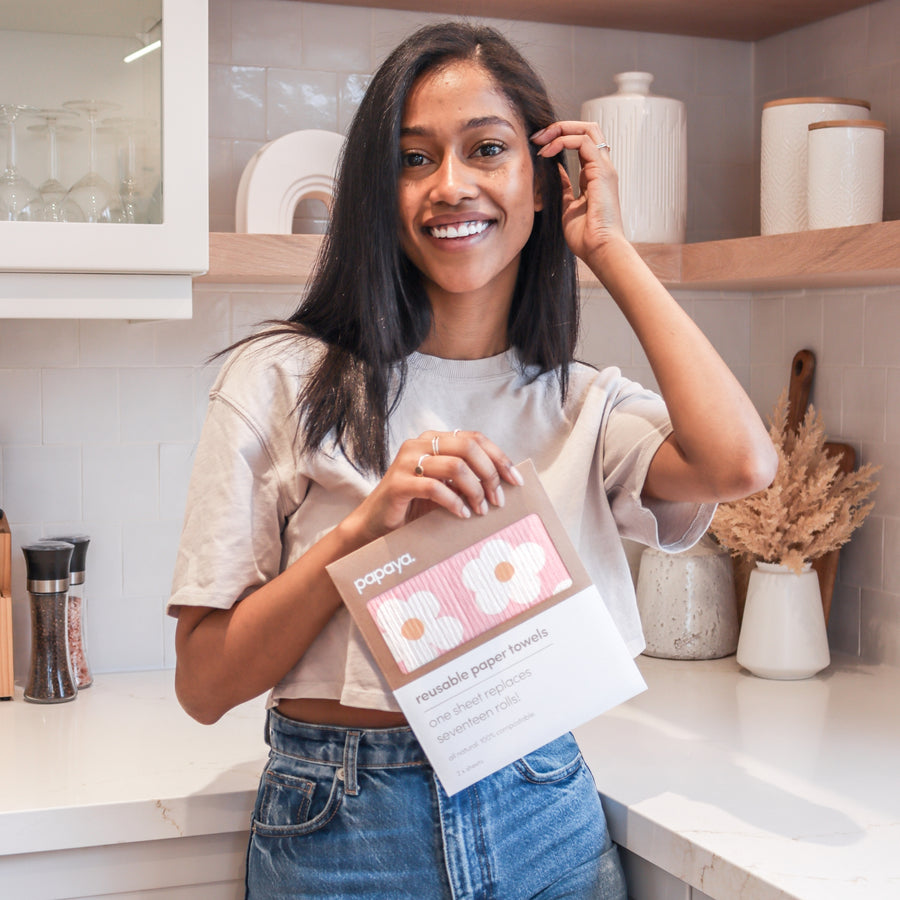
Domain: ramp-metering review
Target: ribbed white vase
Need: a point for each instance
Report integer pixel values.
(783, 156)
(648, 142)
(845, 177)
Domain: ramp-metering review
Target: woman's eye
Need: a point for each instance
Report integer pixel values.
(412, 158)
(490, 148)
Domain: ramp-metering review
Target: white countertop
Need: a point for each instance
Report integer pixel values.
(751, 789)
(745, 788)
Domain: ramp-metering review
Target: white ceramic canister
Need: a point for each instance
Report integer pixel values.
(845, 173)
(783, 156)
(648, 142)
(687, 602)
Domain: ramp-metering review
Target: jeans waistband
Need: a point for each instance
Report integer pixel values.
(330, 744)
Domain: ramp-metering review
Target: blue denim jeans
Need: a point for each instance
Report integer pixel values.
(345, 813)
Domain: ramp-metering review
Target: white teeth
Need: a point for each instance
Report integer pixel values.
(464, 229)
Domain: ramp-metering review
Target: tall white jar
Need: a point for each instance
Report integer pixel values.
(783, 156)
(648, 143)
(845, 178)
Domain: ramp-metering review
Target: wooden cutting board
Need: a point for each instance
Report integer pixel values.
(801, 377)
(802, 370)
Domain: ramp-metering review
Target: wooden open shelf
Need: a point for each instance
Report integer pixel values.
(749, 20)
(861, 255)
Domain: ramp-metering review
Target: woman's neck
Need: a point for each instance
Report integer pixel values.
(465, 328)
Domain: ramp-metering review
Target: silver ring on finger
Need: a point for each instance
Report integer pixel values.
(418, 471)
(456, 432)
(435, 445)
(604, 146)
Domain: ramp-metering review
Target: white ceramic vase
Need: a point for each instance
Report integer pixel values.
(687, 602)
(783, 156)
(783, 631)
(648, 144)
(845, 173)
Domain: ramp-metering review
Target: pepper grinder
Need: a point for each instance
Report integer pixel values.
(76, 611)
(47, 566)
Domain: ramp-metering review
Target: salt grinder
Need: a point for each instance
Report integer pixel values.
(47, 565)
(76, 611)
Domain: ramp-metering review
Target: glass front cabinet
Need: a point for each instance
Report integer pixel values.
(103, 139)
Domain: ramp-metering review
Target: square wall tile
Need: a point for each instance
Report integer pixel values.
(882, 327)
(842, 331)
(115, 342)
(148, 553)
(862, 559)
(727, 325)
(767, 330)
(121, 482)
(351, 90)
(862, 404)
(266, 32)
(803, 325)
(237, 102)
(892, 407)
(598, 54)
(42, 484)
(336, 38)
(20, 406)
(31, 343)
(156, 404)
(190, 342)
(125, 634)
(892, 556)
(879, 628)
(606, 336)
(80, 405)
(300, 99)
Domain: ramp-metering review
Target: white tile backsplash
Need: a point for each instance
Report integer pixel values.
(77, 454)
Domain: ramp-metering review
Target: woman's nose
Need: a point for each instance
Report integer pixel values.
(453, 181)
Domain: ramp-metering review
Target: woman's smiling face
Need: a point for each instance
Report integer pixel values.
(467, 193)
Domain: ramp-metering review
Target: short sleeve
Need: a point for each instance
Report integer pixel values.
(231, 540)
(635, 428)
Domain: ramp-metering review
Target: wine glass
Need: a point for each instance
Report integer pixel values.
(95, 196)
(55, 206)
(128, 130)
(19, 198)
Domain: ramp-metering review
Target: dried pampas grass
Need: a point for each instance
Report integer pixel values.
(809, 509)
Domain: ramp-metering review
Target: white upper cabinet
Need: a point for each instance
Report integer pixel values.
(103, 194)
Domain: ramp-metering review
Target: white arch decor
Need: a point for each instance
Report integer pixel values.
(280, 174)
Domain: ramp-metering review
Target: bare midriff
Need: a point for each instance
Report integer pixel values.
(332, 712)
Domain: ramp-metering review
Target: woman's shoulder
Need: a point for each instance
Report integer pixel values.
(267, 368)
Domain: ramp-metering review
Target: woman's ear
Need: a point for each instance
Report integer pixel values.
(538, 187)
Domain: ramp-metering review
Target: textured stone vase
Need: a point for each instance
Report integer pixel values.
(687, 602)
(783, 156)
(783, 631)
(648, 143)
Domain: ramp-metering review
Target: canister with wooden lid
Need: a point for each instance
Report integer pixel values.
(845, 176)
(783, 156)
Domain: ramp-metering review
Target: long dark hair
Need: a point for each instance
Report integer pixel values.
(367, 302)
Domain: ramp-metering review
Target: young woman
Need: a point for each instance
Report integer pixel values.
(434, 349)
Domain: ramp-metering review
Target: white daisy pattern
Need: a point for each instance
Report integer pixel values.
(503, 573)
(414, 631)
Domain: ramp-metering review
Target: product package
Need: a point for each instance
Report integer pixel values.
(488, 631)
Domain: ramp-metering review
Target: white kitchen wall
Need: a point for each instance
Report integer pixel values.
(98, 419)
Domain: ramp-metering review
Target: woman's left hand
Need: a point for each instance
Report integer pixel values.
(594, 218)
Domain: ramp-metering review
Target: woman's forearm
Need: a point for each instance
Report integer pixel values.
(228, 656)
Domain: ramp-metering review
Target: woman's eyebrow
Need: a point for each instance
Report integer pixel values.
(471, 125)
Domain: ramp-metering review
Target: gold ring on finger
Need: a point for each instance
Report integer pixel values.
(418, 470)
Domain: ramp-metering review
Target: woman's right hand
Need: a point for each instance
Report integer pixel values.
(461, 471)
